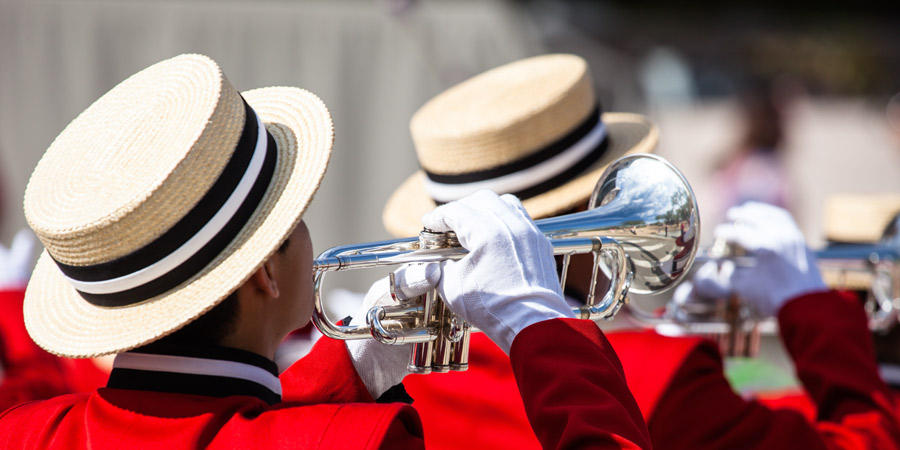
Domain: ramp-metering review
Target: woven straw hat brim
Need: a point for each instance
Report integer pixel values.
(628, 133)
(63, 323)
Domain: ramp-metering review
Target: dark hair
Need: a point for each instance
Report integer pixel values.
(217, 323)
(212, 327)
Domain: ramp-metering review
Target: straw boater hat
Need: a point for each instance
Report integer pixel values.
(859, 218)
(162, 198)
(531, 128)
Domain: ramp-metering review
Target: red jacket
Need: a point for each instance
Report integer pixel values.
(577, 398)
(28, 372)
(682, 392)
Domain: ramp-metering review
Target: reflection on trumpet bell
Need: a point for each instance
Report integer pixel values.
(641, 226)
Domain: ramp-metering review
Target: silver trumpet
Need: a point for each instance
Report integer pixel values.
(873, 269)
(641, 228)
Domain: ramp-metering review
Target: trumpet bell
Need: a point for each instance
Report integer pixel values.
(647, 206)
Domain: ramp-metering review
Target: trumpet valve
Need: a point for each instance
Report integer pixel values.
(429, 239)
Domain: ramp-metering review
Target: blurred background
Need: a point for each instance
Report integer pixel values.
(789, 102)
(808, 82)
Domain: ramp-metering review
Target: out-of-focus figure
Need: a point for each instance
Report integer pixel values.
(893, 117)
(754, 170)
(26, 371)
(16, 261)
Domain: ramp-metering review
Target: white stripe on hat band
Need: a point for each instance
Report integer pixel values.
(523, 179)
(197, 366)
(196, 242)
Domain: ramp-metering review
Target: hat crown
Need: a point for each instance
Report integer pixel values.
(111, 182)
(503, 115)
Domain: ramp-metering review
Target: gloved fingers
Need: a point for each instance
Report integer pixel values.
(766, 218)
(410, 281)
(758, 212)
(451, 288)
(436, 219)
(726, 269)
(478, 216)
(713, 280)
(413, 280)
(517, 218)
(516, 205)
(736, 233)
(684, 293)
(757, 289)
(709, 269)
(746, 281)
(755, 237)
(452, 216)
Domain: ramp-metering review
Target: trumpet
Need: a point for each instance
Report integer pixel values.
(873, 269)
(641, 227)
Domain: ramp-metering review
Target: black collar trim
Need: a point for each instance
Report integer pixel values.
(199, 370)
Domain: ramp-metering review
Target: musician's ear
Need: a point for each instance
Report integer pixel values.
(265, 279)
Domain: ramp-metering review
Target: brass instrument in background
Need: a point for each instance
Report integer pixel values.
(641, 227)
(873, 269)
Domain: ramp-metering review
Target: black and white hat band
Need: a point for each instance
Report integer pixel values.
(195, 240)
(539, 172)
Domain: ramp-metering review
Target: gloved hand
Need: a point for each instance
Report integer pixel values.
(710, 282)
(784, 266)
(381, 366)
(16, 262)
(508, 279)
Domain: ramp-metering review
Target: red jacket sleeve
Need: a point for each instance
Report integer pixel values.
(325, 375)
(828, 338)
(574, 389)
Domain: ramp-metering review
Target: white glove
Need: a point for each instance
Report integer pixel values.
(785, 268)
(508, 279)
(16, 262)
(381, 366)
(711, 281)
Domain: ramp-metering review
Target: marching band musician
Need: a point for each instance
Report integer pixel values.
(849, 219)
(494, 130)
(171, 215)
